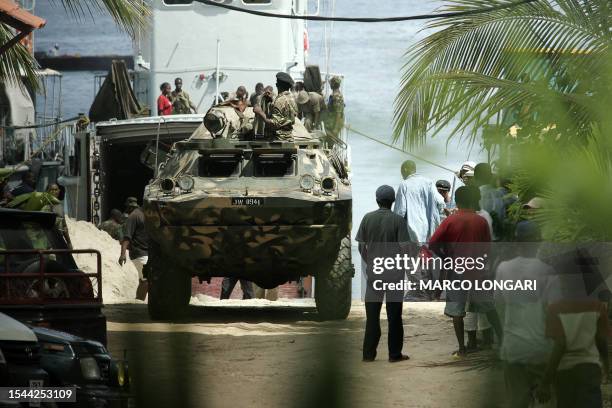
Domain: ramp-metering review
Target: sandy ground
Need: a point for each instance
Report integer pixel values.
(266, 354)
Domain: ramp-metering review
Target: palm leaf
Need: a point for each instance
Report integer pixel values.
(129, 15)
(465, 70)
(16, 62)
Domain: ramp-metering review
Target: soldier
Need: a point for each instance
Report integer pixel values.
(259, 90)
(180, 99)
(114, 225)
(334, 120)
(310, 105)
(284, 109)
(264, 101)
(136, 239)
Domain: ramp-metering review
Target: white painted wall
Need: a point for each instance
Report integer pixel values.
(182, 42)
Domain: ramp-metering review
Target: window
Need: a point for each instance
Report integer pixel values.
(274, 165)
(219, 166)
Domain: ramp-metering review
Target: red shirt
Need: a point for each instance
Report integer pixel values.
(462, 234)
(164, 106)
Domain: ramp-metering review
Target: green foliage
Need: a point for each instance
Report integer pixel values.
(534, 83)
(16, 62)
(535, 65)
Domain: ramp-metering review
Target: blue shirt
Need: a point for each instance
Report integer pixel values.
(418, 202)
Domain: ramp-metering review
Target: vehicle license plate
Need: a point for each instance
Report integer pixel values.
(247, 201)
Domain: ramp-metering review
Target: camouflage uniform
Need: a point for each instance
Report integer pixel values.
(284, 111)
(112, 228)
(181, 103)
(334, 107)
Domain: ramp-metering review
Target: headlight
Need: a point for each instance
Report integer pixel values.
(90, 369)
(328, 184)
(167, 185)
(123, 376)
(186, 183)
(307, 182)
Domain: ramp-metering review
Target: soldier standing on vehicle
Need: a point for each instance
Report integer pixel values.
(259, 90)
(310, 105)
(180, 99)
(284, 109)
(264, 101)
(114, 225)
(135, 238)
(334, 121)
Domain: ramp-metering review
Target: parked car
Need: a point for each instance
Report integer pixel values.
(19, 355)
(73, 361)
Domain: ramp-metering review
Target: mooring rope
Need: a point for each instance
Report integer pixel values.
(349, 128)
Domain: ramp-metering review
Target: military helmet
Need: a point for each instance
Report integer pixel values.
(335, 81)
(131, 202)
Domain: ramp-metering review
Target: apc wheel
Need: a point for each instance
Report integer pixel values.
(333, 291)
(169, 289)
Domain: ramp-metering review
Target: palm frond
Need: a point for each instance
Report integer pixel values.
(129, 15)
(16, 62)
(443, 79)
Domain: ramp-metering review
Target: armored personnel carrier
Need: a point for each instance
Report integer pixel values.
(226, 203)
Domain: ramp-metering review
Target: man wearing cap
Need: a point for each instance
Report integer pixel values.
(443, 188)
(382, 234)
(466, 172)
(135, 238)
(283, 110)
(128, 206)
(334, 120)
(310, 105)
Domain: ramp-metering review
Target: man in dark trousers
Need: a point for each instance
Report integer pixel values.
(382, 233)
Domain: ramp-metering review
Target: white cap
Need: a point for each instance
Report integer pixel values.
(468, 169)
(535, 203)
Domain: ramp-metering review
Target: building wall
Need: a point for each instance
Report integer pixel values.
(213, 289)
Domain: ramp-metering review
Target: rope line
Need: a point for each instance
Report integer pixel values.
(365, 19)
(74, 119)
(416, 156)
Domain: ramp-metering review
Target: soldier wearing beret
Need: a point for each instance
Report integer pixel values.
(284, 109)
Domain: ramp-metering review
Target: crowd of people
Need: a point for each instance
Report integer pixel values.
(275, 113)
(552, 340)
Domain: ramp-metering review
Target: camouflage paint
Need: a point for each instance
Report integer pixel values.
(292, 233)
